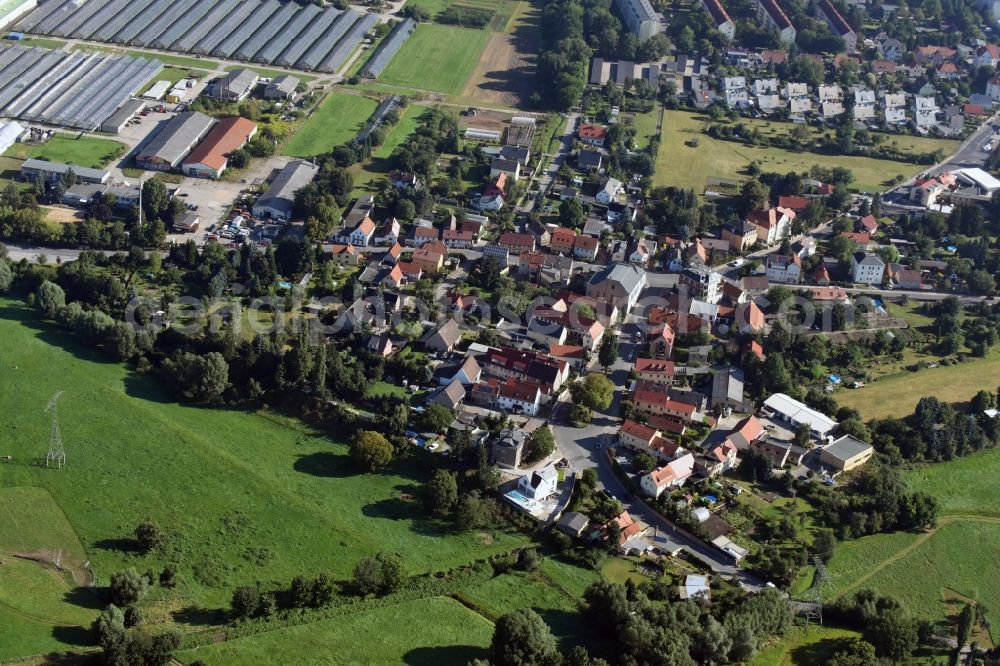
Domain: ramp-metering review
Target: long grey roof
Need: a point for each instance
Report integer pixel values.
(296, 175)
(175, 140)
(58, 167)
(627, 275)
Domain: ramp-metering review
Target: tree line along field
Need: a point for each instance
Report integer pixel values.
(728, 159)
(243, 497)
(86, 151)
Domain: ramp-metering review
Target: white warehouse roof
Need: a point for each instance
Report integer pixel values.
(9, 132)
(979, 178)
(796, 412)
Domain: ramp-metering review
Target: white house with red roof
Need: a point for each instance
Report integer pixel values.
(671, 475)
(592, 135)
(772, 224)
(362, 234)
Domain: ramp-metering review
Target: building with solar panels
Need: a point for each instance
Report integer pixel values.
(284, 33)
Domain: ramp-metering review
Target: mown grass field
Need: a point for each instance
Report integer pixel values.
(172, 74)
(437, 58)
(812, 645)
(337, 120)
(87, 151)
(685, 166)
(898, 394)
(243, 496)
(428, 632)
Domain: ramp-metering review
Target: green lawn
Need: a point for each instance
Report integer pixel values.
(427, 632)
(172, 74)
(436, 57)
(272, 73)
(898, 394)
(509, 592)
(645, 126)
(965, 486)
(87, 151)
(337, 120)
(812, 645)
(923, 571)
(729, 159)
(570, 577)
(244, 497)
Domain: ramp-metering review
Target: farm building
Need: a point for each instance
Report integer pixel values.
(35, 170)
(282, 87)
(174, 141)
(211, 157)
(387, 49)
(73, 89)
(276, 203)
(120, 119)
(300, 35)
(234, 86)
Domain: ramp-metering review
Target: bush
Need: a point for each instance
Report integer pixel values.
(127, 588)
(245, 602)
(379, 575)
(149, 536)
(133, 617)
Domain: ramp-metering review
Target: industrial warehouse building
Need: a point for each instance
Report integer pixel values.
(277, 202)
(288, 34)
(68, 88)
(120, 119)
(211, 156)
(41, 170)
(174, 141)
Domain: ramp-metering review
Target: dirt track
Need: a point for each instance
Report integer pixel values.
(505, 73)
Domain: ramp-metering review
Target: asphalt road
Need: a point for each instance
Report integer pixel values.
(969, 154)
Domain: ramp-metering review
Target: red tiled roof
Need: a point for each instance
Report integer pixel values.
(228, 135)
(654, 365)
(592, 132)
(638, 430)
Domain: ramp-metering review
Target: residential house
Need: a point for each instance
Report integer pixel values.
(671, 475)
(510, 168)
(864, 105)
(362, 234)
(450, 397)
(783, 269)
(639, 18)
(585, 248)
(429, 261)
(656, 371)
(592, 135)
(741, 236)
(467, 372)
(501, 254)
(387, 233)
(749, 318)
(519, 397)
(993, 89)
(717, 460)
(895, 108)
(772, 224)
(909, 279)
(458, 239)
(608, 193)
(867, 268)
(589, 160)
(525, 365)
(618, 284)
(539, 484)
(702, 282)
(423, 234)
(933, 55)
(516, 243)
(821, 275)
(343, 254)
(444, 338)
(562, 240)
(573, 355)
(573, 523)
(925, 111)
(746, 432)
(987, 55)
(889, 48)
(642, 251)
(508, 448)
(780, 452)
(379, 344)
(868, 224)
(736, 93)
(653, 400)
(793, 202)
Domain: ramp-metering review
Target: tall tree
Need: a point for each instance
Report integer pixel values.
(522, 638)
